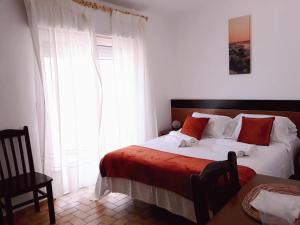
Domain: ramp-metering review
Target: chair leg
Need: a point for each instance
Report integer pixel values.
(1, 215)
(9, 211)
(36, 201)
(50, 203)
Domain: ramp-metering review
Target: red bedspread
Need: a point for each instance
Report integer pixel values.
(160, 169)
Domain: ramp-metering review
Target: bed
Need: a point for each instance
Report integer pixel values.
(281, 163)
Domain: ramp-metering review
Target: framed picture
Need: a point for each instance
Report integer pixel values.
(240, 45)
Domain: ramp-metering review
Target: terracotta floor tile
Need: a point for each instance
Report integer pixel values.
(113, 209)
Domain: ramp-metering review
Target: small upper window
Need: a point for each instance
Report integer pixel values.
(104, 47)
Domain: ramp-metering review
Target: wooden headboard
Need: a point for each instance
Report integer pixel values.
(181, 108)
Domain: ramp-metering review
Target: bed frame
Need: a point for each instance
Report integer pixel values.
(181, 108)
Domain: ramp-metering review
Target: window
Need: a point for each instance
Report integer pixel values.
(125, 102)
(71, 90)
(109, 120)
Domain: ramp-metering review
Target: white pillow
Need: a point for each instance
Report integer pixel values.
(230, 128)
(216, 124)
(283, 131)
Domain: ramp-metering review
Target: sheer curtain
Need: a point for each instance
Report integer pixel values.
(64, 44)
(129, 115)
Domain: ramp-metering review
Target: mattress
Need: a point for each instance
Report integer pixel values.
(273, 160)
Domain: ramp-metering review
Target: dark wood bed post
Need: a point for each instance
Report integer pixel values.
(297, 164)
(234, 176)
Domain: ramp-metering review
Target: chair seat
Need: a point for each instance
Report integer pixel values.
(22, 184)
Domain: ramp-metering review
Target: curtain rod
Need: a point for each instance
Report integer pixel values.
(104, 8)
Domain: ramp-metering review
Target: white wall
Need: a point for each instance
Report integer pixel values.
(17, 89)
(202, 51)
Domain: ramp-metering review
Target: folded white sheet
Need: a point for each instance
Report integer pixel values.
(283, 206)
(176, 141)
(184, 136)
(241, 149)
(180, 140)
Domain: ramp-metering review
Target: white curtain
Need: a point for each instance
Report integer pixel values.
(129, 115)
(64, 44)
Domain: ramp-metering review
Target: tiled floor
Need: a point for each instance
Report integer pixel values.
(114, 209)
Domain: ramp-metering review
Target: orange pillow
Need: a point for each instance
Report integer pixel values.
(194, 127)
(256, 130)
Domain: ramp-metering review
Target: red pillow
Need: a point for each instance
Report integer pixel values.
(194, 127)
(256, 130)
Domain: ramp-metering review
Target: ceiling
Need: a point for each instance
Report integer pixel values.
(168, 6)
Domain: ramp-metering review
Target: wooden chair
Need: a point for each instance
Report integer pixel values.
(214, 187)
(17, 175)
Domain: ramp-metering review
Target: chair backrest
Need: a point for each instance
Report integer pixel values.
(15, 153)
(214, 187)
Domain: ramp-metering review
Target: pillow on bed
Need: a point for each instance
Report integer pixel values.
(216, 124)
(283, 131)
(256, 130)
(230, 128)
(194, 127)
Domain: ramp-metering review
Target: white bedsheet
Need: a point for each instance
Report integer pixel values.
(274, 160)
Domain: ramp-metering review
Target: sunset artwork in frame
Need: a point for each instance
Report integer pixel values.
(240, 45)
